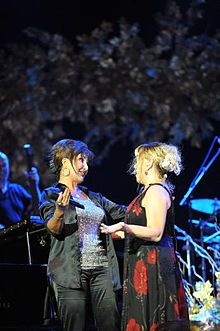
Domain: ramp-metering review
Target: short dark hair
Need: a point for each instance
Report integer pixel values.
(67, 148)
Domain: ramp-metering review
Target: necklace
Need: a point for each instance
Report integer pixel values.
(76, 194)
(79, 195)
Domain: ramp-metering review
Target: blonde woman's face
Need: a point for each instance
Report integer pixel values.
(137, 172)
(141, 167)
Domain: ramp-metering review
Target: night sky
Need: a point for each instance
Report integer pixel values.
(71, 18)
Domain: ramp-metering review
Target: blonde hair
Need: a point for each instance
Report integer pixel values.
(166, 157)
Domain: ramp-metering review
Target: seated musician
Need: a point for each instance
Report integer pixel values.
(16, 203)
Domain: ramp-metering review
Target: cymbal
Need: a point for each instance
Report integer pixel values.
(208, 206)
(202, 223)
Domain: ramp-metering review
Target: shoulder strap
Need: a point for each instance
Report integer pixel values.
(171, 198)
(160, 185)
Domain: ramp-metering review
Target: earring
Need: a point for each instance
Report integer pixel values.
(66, 172)
(147, 171)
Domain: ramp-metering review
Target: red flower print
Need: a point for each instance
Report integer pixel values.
(154, 327)
(140, 278)
(173, 255)
(133, 325)
(131, 204)
(152, 256)
(176, 308)
(137, 209)
(183, 308)
(181, 292)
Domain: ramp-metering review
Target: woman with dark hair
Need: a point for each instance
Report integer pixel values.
(154, 297)
(82, 266)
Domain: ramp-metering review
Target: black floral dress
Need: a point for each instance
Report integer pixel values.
(153, 295)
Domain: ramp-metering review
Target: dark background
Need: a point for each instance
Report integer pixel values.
(71, 18)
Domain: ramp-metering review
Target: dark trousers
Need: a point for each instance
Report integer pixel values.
(96, 294)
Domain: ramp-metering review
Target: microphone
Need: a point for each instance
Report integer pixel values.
(54, 194)
(29, 155)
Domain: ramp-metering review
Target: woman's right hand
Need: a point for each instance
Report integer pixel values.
(63, 200)
(109, 229)
(56, 223)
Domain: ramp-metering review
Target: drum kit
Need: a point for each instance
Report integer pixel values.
(205, 232)
(208, 225)
(211, 226)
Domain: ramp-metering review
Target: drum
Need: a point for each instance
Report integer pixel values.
(207, 206)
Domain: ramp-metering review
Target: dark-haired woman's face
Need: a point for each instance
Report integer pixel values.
(80, 167)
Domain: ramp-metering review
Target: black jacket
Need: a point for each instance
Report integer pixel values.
(64, 259)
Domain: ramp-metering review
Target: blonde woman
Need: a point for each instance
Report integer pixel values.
(154, 297)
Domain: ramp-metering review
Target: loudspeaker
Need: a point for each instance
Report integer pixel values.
(22, 293)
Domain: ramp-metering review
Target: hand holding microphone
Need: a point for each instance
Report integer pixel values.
(63, 199)
(29, 156)
(33, 175)
(32, 172)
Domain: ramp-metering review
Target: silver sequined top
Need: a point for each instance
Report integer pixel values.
(89, 219)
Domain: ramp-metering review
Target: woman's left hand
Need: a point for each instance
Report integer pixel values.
(108, 229)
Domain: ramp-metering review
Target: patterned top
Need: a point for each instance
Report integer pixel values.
(89, 219)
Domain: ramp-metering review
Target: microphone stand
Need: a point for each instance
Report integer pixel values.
(189, 252)
(28, 247)
(201, 172)
(203, 264)
(188, 260)
(29, 156)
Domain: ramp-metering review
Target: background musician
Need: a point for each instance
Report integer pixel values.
(16, 203)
